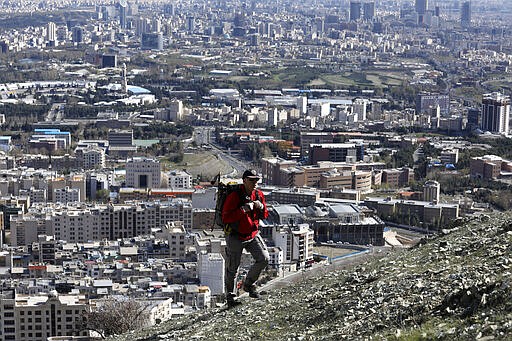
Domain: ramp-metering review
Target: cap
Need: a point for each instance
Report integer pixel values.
(251, 174)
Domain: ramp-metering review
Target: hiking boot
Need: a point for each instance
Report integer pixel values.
(251, 290)
(231, 302)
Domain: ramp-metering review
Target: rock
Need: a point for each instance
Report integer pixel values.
(458, 286)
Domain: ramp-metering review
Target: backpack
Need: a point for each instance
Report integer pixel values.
(223, 190)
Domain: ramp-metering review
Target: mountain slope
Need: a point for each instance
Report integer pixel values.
(454, 286)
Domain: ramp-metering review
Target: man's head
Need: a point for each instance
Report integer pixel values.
(250, 179)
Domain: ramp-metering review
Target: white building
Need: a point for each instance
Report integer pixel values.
(359, 108)
(176, 111)
(143, 172)
(5, 143)
(180, 179)
(431, 191)
(66, 194)
(91, 157)
(165, 310)
(178, 238)
(210, 269)
(276, 257)
(496, 113)
(296, 242)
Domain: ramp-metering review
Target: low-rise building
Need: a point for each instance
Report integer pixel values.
(489, 167)
(397, 177)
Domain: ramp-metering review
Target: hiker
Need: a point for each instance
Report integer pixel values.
(242, 211)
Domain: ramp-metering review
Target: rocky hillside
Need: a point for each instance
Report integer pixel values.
(454, 286)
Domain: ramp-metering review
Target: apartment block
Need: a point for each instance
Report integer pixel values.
(336, 152)
(397, 177)
(179, 179)
(295, 241)
(210, 269)
(91, 157)
(80, 223)
(38, 317)
(66, 194)
(489, 167)
(300, 196)
(74, 181)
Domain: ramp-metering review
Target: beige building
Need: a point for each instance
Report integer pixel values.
(300, 196)
(91, 157)
(75, 181)
(97, 222)
(143, 172)
(416, 213)
(397, 177)
(36, 318)
(357, 180)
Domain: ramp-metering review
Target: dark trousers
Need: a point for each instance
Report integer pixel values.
(234, 247)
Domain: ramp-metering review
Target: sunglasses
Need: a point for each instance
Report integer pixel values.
(252, 180)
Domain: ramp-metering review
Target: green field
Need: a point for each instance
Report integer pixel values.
(361, 79)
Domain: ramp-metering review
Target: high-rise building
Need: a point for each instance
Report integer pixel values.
(51, 32)
(496, 113)
(421, 6)
(355, 10)
(421, 11)
(369, 10)
(465, 14)
(473, 118)
(431, 191)
(152, 41)
(156, 25)
(78, 34)
(425, 102)
(191, 24)
(210, 270)
(109, 60)
(123, 5)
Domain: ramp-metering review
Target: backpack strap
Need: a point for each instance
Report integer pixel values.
(241, 197)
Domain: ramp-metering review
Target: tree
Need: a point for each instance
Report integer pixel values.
(102, 195)
(116, 316)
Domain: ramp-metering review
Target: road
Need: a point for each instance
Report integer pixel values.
(204, 136)
(56, 113)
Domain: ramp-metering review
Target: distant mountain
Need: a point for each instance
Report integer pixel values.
(455, 286)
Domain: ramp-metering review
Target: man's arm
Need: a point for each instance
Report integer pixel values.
(261, 205)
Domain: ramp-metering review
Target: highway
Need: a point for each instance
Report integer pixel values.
(204, 136)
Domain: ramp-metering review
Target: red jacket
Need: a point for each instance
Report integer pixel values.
(248, 223)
